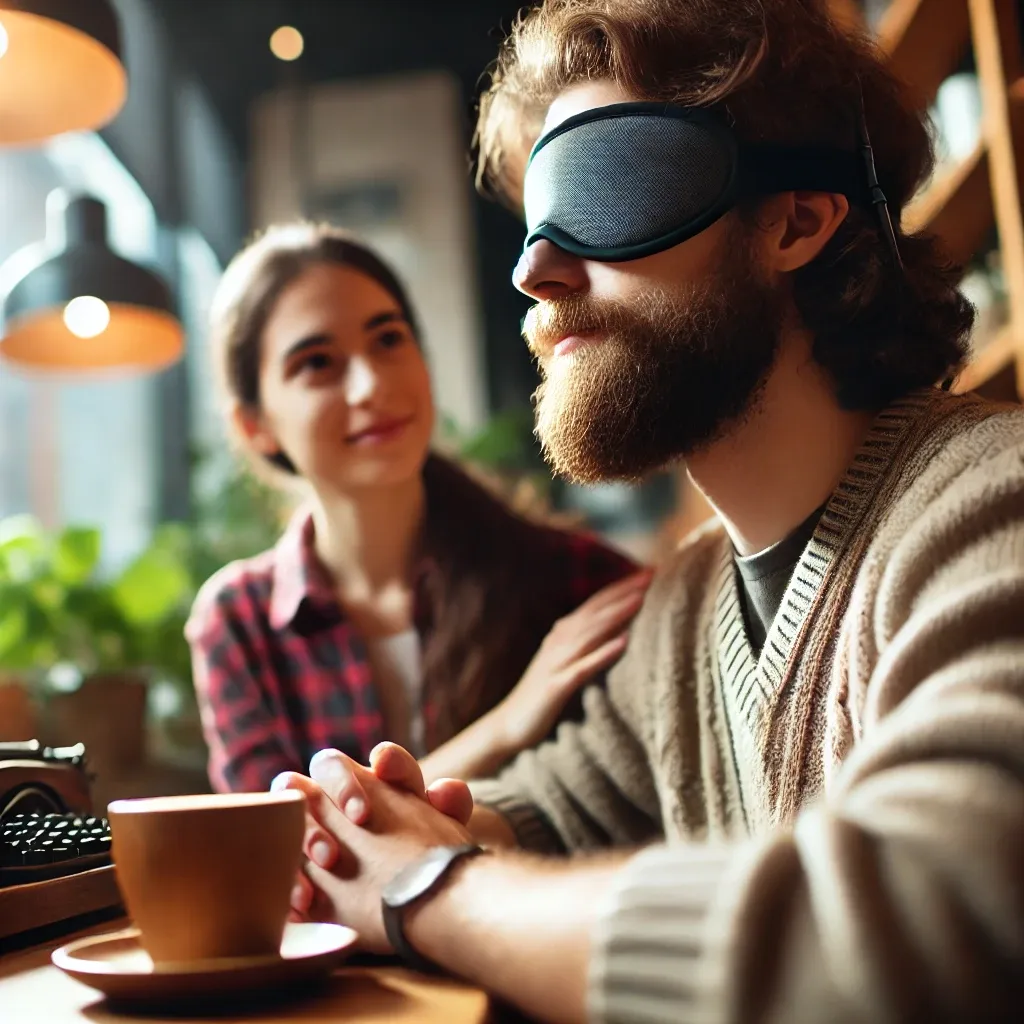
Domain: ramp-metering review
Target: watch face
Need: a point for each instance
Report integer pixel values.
(416, 879)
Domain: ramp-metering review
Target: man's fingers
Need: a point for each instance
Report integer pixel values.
(451, 797)
(320, 846)
(321, 885)
(337, 775)
(292, 780)
(302, 896)
(394, 764)
(324, 822)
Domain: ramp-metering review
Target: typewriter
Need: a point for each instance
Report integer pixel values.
(55, 857)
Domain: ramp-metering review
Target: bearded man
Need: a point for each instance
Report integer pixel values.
(804, 781)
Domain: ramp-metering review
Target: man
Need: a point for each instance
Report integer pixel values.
(806, 774)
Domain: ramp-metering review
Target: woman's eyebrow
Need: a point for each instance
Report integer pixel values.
(311, 341)
(378, 319)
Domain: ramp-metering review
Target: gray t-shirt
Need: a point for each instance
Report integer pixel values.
(764, 576)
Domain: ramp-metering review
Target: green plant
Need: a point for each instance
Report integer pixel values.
(505, 449)
(238, 519)
(57, 607)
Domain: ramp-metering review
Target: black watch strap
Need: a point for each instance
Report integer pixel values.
(421, 878)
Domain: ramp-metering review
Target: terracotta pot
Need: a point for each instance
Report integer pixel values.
(108, 714)
(18, 719)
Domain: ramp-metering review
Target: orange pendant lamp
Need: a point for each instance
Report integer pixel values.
(72, 304)
(60, 68)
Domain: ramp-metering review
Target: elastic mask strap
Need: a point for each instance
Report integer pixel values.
(768, 168)
(878, 200)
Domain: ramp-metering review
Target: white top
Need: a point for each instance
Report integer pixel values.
(398, 664)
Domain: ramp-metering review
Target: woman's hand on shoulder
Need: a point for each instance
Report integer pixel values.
(578, 647)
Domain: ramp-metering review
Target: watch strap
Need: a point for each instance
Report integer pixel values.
(404, 890)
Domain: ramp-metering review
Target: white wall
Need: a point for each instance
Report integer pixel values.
(386, 157)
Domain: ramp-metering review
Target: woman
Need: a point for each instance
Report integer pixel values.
(403, 602)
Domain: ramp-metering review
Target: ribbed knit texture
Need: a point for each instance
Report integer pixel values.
(842, 818)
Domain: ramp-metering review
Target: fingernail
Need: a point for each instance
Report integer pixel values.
(329, 769)
(355, 808)
(298, 897)
(279, 782)
(324, 759)
(321, 853)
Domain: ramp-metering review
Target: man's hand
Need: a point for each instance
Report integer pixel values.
(338, 776)
(515, 925)
(351, 863)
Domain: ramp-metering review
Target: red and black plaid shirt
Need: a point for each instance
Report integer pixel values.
(281, 673)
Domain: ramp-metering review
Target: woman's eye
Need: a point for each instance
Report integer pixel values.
(390, 339)
(316, 361)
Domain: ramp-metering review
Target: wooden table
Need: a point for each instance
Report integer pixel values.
(33, 991)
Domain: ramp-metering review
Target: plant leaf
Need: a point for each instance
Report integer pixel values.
(13, 625)
(76, 553)
(503, 443)
(151, 587)
(23, 547)
(47, 593)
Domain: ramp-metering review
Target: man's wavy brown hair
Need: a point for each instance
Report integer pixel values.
(778, 71)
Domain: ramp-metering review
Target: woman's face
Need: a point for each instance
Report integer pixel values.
(344, 389)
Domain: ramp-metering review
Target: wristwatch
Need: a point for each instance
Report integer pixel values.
(421, 878)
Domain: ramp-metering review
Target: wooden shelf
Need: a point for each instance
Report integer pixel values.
(924, 40)
(957, 206)
(991, 360)
(997, 51)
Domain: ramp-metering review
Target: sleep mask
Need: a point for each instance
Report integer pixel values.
(628, 180)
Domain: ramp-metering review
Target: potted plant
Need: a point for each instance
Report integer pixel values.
(83, 645)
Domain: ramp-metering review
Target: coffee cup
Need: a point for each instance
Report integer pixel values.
(208, 876)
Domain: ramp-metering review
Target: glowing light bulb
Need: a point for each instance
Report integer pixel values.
(86, 316)
(3, 39)
(287, 43)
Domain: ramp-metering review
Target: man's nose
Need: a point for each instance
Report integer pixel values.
(545, 271)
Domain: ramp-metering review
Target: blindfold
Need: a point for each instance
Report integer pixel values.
(629, 180)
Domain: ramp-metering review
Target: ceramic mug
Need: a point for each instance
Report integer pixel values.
(208, 876)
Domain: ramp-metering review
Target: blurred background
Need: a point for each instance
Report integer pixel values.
(118, 495)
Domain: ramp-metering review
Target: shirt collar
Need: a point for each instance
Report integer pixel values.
(298, 574)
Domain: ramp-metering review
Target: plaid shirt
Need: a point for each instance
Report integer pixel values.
(280, 672)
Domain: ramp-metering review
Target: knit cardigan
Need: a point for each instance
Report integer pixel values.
(833, 830)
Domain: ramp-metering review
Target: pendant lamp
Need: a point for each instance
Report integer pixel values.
(60, 68)
(73, 304)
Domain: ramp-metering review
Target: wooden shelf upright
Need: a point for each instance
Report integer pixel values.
(925, 40)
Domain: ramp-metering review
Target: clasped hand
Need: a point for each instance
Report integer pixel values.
(363, 825)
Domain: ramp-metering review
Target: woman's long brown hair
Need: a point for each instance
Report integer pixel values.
(486, 594)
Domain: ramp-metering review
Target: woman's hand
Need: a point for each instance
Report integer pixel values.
(577, 648)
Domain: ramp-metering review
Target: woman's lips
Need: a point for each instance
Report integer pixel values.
(380, 432)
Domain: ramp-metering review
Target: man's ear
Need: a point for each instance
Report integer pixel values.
(796, 226)
(252, 428)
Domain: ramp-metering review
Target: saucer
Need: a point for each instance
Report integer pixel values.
(118, 966)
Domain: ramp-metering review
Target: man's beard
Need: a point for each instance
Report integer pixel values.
(670, 373)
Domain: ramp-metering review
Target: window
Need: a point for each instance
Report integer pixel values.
(78, 449)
